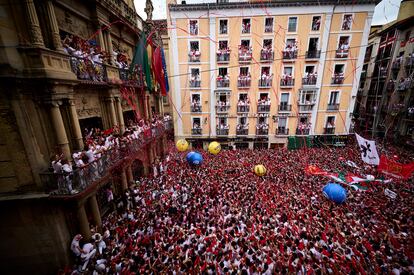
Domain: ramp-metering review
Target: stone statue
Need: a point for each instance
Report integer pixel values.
(149, 8)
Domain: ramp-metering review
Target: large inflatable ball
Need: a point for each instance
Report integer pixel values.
(194, 158)
(260, 170)
(214, 147)
(334, 192)
(182, 145)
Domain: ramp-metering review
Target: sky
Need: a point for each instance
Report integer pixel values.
(385, 11)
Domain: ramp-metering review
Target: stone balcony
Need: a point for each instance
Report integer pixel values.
(83, 179)
(122, 10)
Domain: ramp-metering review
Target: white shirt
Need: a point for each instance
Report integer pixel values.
(74, 246)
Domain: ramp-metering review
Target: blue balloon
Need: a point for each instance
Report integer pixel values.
(194, 158)
(334, 192)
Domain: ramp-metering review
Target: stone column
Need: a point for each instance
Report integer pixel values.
(34, 26)
(50, 11)
(120, 115)
(59, 129)
(124, 180)
(130, 176)
(148, 107)
(83, 222)
(77, 133)
(109, 44)
(96, 213)
(101, 39)
(111, 111)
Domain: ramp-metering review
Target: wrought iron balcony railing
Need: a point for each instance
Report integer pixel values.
(338, 80)
(313, 54)
(223, 83)
(196, 131)
(342, 53)
(285, 108)
(301, 131)
(309, 80)
(196, 108)
(333, 107)
(192, 57)
(266, 55)
(329, 130)
(222, 109)
(262, 132)
(282, 131)
(223, 57)
(265, 83)
(243, 108)
(242, 132)
(85, 69)
(244, 83)
(222, 132)
(289, 55)
(262, 108)
(287, 82)
(195, 83)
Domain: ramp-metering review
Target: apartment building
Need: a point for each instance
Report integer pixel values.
(253, 73)
(386, 100)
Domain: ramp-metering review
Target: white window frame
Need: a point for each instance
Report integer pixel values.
(241, 26)
(326, 120)
(241, 117)
(268, 38)
(338, 63)
(306, 91)
(289, 66)
(338, 97)
(223, 67)
(310, 65)
(258, 95)
(343, 20)
(319, 41)
(192, 121)
(266, 66)
(264, 24)
(249, 39)
(228, 27)
(297, 24)
(248, 69)
(339, 38)
(242, 93)
(280, 100)
(222, 40)
(194, 40)
(287, 122)
(320, 27)
(198, 26)
(194, 67)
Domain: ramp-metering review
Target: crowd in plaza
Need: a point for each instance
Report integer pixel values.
(220, 218)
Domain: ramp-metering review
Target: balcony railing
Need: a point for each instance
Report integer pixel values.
(333, 107)
(289, 55)
(287, 82)
(223, 83)
(282, 131)
(222, 132)
(262, 132)
(195, 83)
(301, 131)
(342, 53)
(338, 80)
(285, 108)
(309, 80)
(243, 82)
(243, 109)
(265, 83)
(306, 107)
(242, 132)
(222, 109)
(84, 69)
(223, 57)
(261, 108)
(196, 108)
(245, 56)
(194, 57)
(83, 178)
(266, 55)
(121, 8)
(196, 131)
(329, 130)
(268, 28)
(133, 78)
(313, 54)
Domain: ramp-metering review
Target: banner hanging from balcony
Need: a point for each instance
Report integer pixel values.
(164, 67)
(159, 70)
(395, 169)
(368, 150)
(141, 59)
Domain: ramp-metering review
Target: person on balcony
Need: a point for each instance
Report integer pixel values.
(316, 24)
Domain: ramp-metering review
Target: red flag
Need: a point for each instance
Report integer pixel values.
(158, 70)
(395, 169)
(315, 170)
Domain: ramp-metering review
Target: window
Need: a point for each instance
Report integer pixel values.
(246, 26)
(196, 123)
(309, 69)
(291, 43)
(307, 97)
(195, 98)
(343, 43)
(292, 24)
(281, 124)
(243, 97)
(288, 71)
(316, 23)
(330, 122)
(223, 45)
(244, 70)
(347, 22)
(339, 69)
(194, 46)
(195, 72)
(269, 24)
(313, 44)
(245, 43)
(222, 71)
(334, 98)
(284, 99)
(407, 35)
(193, 27)
(195, 80)
(263, 96)
(223, 26)
(242, 120)
(267, 43)
(164, 100)
(368, 53)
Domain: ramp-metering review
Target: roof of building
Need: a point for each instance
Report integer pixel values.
(267, 4)
(402, 24)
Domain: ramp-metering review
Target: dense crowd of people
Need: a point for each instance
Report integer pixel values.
(220, 218)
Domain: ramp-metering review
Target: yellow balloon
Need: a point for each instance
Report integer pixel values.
(214, 147)
(182, 145)
(260, 170)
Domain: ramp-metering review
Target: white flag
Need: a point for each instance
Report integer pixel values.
(368, 150)
(390, 193)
